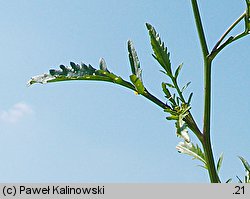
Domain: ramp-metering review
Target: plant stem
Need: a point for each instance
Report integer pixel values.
(146, 94)
(155, 100)
(217, 48)
(193, 126)
(228, 31)
(206, 142)
(200, 28)
(178, 89)
(189, 119)
(123, 83)
(207, 146)
(227, 42)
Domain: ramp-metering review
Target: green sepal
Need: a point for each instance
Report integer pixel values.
(137, 83)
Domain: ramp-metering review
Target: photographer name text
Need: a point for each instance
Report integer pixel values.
(52, 190)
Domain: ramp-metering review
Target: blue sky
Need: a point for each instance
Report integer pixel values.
(100, 132)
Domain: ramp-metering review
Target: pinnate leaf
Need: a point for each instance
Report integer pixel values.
(134, 60)
(77, 72)
(192, 150)
(161, 53)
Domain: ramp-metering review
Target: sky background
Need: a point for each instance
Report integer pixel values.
(100, 132)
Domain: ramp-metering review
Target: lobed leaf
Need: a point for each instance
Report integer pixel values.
(78, 72)
(134, 60)
(161, 53)
(192, 150)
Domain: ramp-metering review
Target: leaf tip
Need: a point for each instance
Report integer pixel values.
(103, 65)
(43, 79)
(149, 26)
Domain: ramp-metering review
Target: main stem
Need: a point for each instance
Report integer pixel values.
(206, 141)
(200, 28)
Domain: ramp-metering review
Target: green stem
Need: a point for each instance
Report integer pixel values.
(193, 126)
(174, 80)
(226, 43)
(217, 48)
(155, 100)
(189, 119)
(228, 31)
(206, 142)
(207, 146)
(200, 28)
(146, 94)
